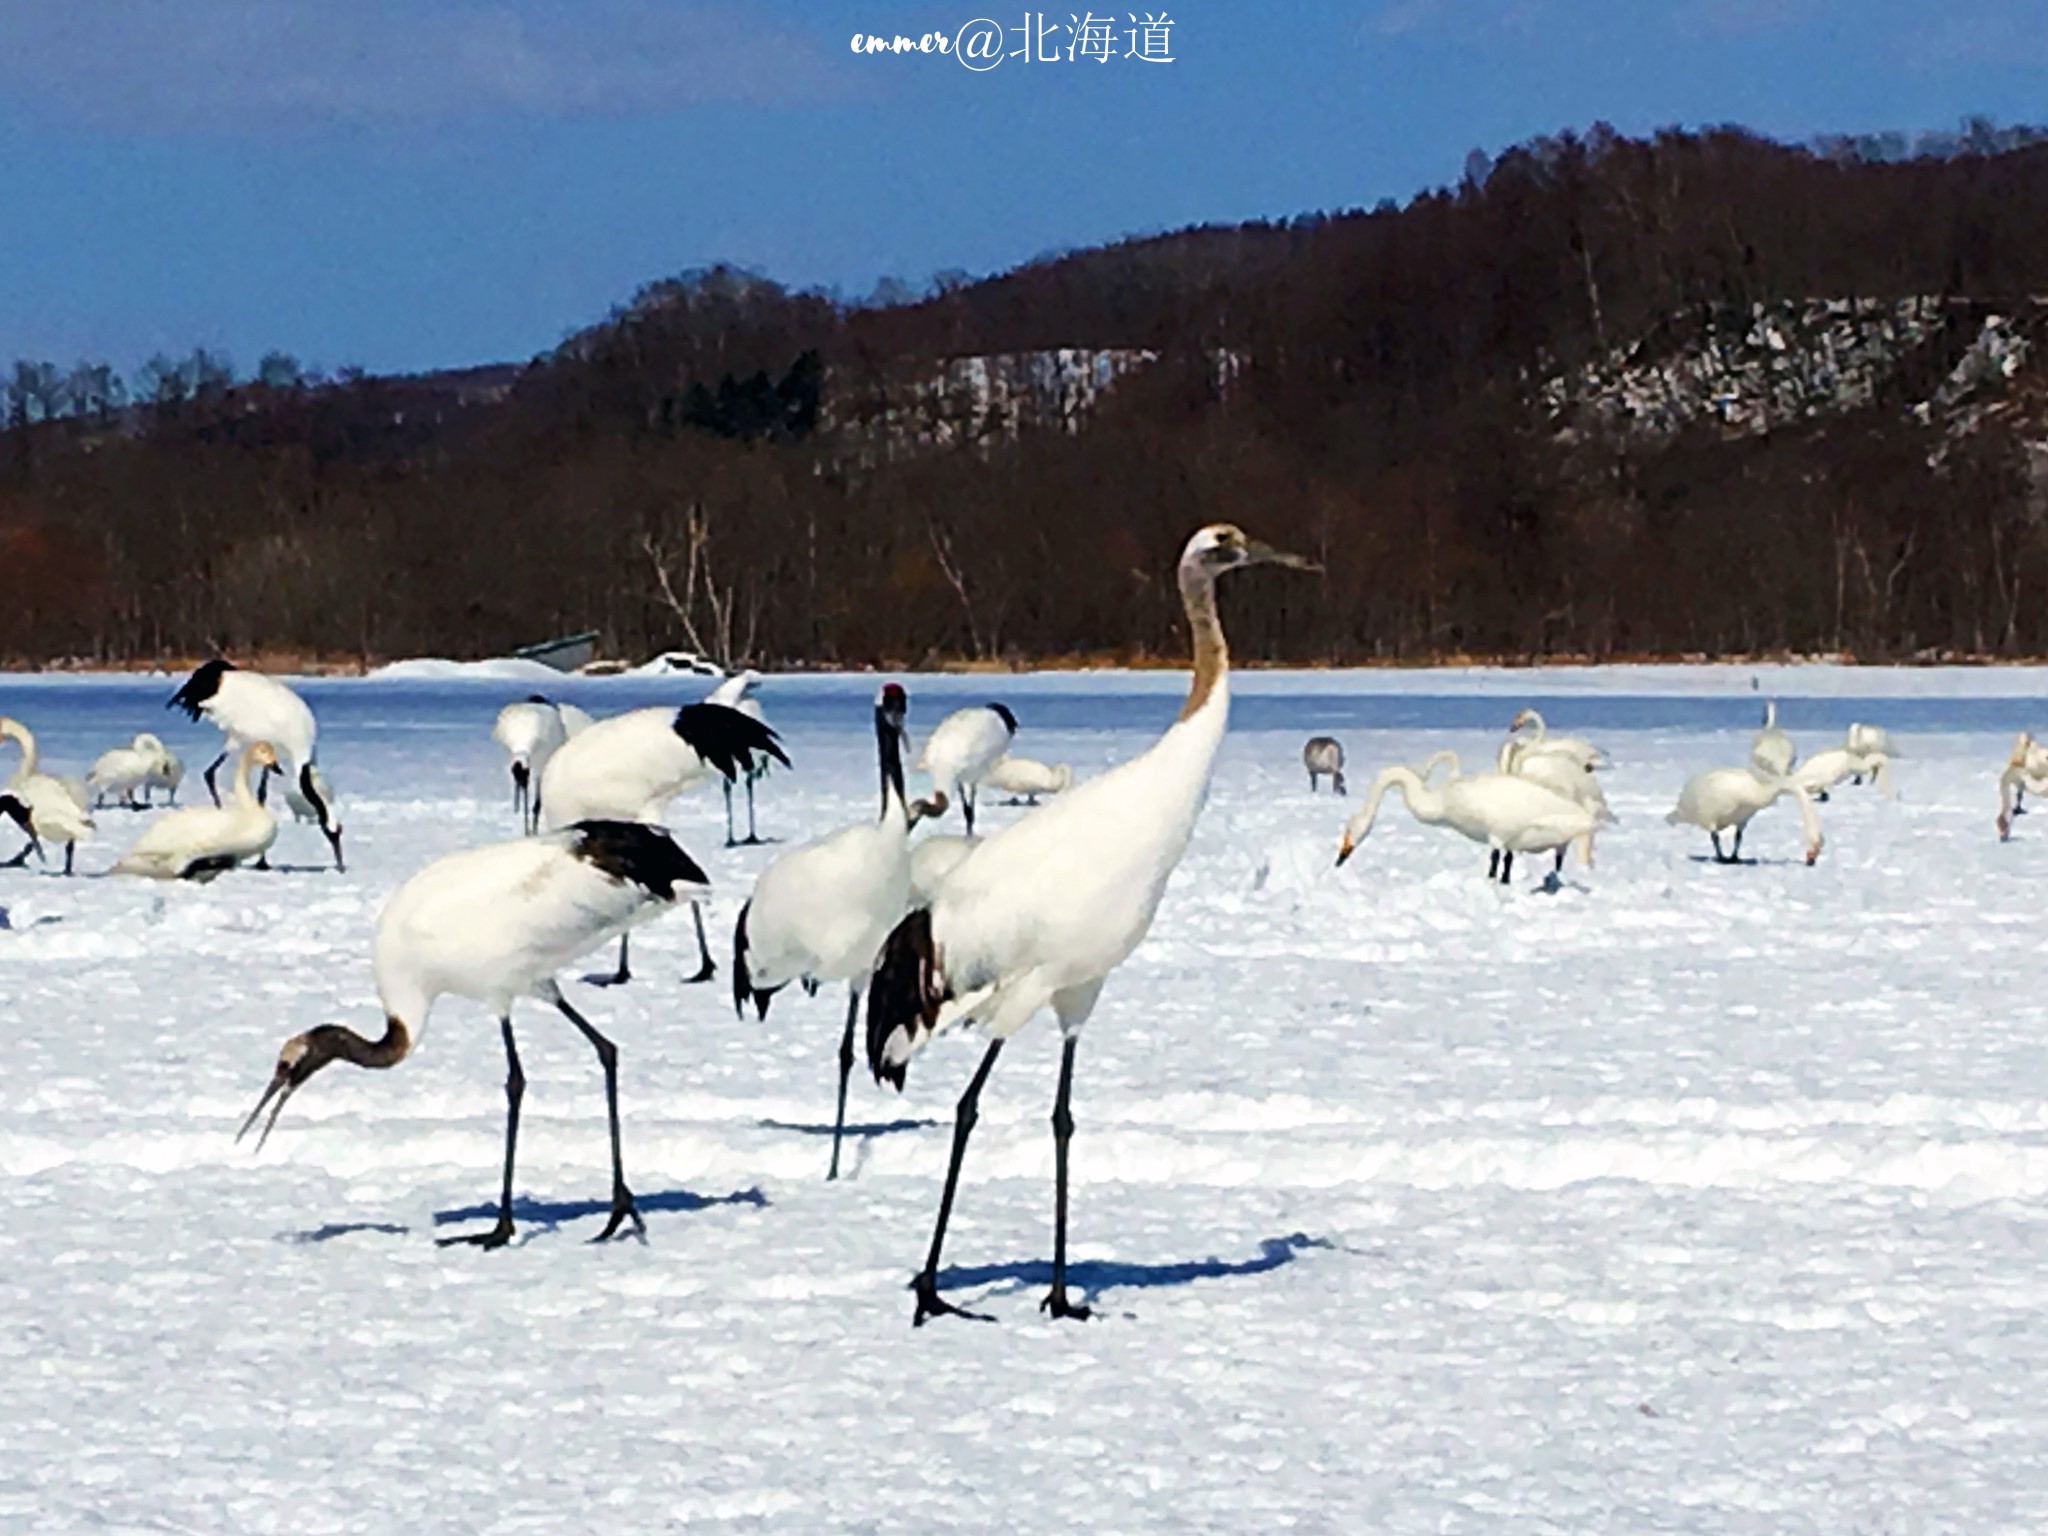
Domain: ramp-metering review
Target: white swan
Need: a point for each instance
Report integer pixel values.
(122, 771)
(1828, 767)
(56, 812)
(1772, 751)
(1508, 813)
(200, 841)
(1870, 739)
(2026, 769)
(1028, 778)
(1724, 798)
(1539, 741)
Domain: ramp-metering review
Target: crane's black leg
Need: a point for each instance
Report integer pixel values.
(515, 1090)
(1507, 864)
(706, 968)
(730, 840)
(32, 846)
(927, 1283)
(1062, 1132)
(1558, 867)
(263, 786)
(619, 977)
(1493, 864)
(69, 850)
(845, 1071)
(519, 798)
(752, 835)
(967, 806)
(1719, 856)
(212, 768)
(608, 1058)
(1735, 853)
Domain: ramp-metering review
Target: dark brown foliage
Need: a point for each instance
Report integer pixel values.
(778, 478)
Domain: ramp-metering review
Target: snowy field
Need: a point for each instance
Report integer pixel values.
(1688, 1198)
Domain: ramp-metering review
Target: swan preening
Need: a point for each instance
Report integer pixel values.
(249, 707)
(1507, 812)
(1724, 799)
(962, 749)
(820, 912)
(494, 924)
(1324, 756)
(200, 841)
(1038, 915)
(1826, 768)
(1538, 742)
(124, 771)
(48, 808)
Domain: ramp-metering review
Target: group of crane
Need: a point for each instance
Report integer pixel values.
(1543, 794)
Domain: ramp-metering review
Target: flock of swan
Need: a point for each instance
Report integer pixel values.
(928, 934)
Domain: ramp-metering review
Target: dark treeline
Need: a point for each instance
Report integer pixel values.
(778, 477)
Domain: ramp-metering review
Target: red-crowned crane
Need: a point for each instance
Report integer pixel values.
(737, 692)
(1039, 914)
(249, 707)
(530, 731)
(819, 913)
(628, 768)
(494, 924)
(960, 752)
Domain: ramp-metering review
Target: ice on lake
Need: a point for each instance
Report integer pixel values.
(1687, 1198)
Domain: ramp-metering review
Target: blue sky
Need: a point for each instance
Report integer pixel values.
(415, 183)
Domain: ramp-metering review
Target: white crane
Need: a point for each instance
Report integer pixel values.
(1724, 798)
(1040, 913)
(960, 752)
(198, 842)
(1506, 812)
(530, 730)
(820, 912)
(737, 692)
(1772, 751)
(56, 809)
(249, 707)
(121, 771)
(629, 767)
(1024, 779)
(1324, 756)
(494, 924)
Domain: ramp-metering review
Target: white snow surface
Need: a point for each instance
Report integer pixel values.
(1686, 1198)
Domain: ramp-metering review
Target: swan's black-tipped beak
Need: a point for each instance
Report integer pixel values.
(1257, 553)
(281, 1088)
(1345, 849)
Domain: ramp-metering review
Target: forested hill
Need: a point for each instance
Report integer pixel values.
(1700, 394)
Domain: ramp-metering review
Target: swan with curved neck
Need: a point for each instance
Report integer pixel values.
(1508, 813)
(1772, 751)
(1530, 736)
(55, 813)
(1039, 914)
(1722, 799)
(200, 841)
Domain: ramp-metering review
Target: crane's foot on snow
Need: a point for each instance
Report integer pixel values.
(704, 973)
(497, 1237)
(1057, 1305)
(622, 1211)
(930, 1304)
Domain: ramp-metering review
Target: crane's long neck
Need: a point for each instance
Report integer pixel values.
(1212, 656)
(889, 753)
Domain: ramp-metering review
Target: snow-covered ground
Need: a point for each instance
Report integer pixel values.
(1689, 1198)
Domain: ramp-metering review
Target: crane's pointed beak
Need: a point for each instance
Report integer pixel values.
(281, 1089)
(1257, 553)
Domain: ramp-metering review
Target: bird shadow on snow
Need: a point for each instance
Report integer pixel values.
(872, 1128)
(334, 1229)
(1092, 1277)
(547, 1215)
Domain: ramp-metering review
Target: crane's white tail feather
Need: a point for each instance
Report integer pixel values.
(904, 997)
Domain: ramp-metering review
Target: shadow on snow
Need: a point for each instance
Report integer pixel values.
(546, 1215)
(1092, 1277)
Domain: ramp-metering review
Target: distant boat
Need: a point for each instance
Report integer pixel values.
(564, 655)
